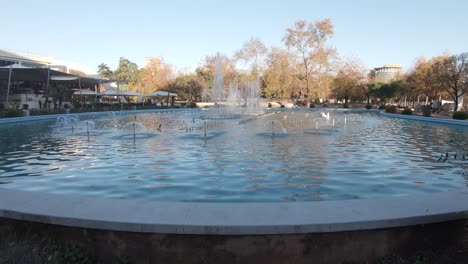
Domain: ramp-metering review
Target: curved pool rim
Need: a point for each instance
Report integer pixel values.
(232, 218)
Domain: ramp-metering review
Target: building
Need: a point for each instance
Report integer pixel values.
(40, 81)
(10, 57)
(386, 73)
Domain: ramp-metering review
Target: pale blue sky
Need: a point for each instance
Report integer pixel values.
(182, 32)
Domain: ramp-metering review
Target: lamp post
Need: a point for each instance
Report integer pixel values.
(9, 82)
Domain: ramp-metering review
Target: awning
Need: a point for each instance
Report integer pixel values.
(160, 94)
(64, 78)
(16, 66)
(41, 75)
(112, 92)
(85, 92)
(130, 93)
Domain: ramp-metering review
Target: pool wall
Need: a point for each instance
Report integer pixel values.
(365, 246)
(302, 232)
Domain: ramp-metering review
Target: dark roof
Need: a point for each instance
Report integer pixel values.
(41, 75)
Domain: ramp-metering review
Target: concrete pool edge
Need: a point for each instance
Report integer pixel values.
(426, 118)
(233, 218)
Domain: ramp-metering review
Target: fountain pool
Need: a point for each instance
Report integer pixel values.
(207, 156)
(233, 187)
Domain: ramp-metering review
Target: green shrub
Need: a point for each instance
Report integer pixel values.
(460, 115)
(368, 106)
(56, 253)
(391, 109)
(192, 105)
(407, 111)
(382, 107)
(13, 113)
(426, 110)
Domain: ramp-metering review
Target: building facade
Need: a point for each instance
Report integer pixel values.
(10, 57)
(386, 73)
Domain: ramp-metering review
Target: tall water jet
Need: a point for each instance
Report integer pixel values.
(217, 94)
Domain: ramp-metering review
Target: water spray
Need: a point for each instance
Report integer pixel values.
(205, 127)
(273, 128)
(87, 129)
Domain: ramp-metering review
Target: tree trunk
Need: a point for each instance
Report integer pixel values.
(455, 99)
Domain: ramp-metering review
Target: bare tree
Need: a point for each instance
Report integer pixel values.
(452, 74)
(252, 53)
(307, 39)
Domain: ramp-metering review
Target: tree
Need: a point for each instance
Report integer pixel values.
(188, 87)
(372, 90)
(421, 80)
(127, 72)
(349, 80)
(389, 90)
(156, 74)
(207, 68)
(452, 74)
(252, 52)
(279, 74)
(322, 70)
(104, 71)
(308, 40)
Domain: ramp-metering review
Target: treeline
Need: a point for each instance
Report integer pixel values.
(306, 67)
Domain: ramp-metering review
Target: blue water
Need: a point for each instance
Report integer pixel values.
(280, 156)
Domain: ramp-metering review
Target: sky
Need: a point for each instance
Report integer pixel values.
(183, 32)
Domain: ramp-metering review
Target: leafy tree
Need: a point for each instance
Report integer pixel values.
(308, 40)
(323, 64)
(188, 87)
(421, 80)
(372, 90)
(253, 53)
(279, 74)
(127, 72)
(156, 74)
(59, 94)
(104, 71)
(452, 74)
(207, 71)
(389, 90)
(349, 81)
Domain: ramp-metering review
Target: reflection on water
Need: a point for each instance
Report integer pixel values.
(282, 156)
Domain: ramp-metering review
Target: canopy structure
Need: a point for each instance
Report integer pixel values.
(130, 93)
(160, 94)
(15, 66)
(19, 73)
(84, 92)
(111, 92)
